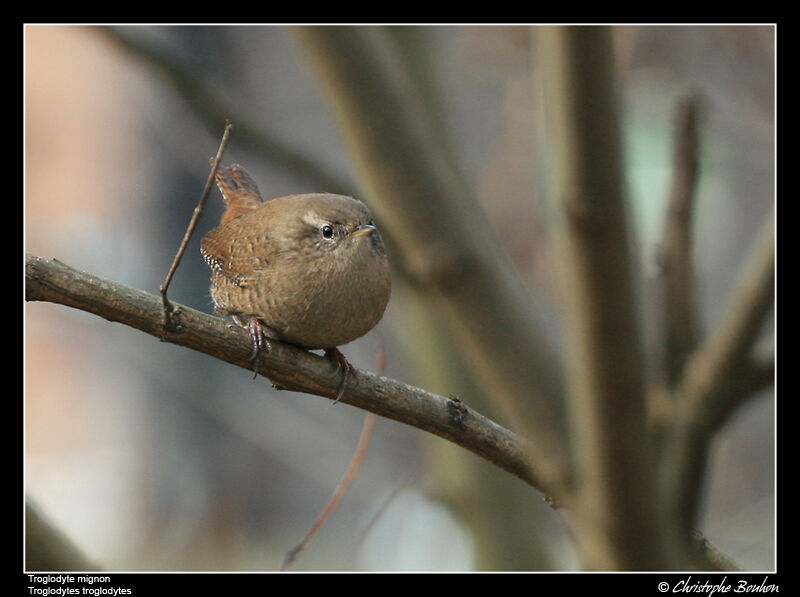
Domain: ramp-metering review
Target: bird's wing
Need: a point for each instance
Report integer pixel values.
(231, 250)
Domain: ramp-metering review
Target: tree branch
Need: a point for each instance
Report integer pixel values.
(288, 367)
(717, 359)
(755, 374)
(215, 164)
(704, 397)
(616, 506)
(679, 316)
(443, 238)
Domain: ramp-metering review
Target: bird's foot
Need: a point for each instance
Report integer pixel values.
(260, 342)
(339, 361)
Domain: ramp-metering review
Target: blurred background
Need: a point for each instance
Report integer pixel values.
(151, 457)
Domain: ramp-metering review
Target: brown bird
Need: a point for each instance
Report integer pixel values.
(309, 269)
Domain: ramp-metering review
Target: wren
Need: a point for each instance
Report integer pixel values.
(309, 270)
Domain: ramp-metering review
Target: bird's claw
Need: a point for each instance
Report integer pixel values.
(260, 342)
(340, 362)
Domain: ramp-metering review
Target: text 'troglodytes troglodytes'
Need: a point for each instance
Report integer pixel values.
(309, 270)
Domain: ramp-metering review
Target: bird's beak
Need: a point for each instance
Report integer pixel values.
(363, 230)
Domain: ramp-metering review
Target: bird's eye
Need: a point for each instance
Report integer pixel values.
(327, 231)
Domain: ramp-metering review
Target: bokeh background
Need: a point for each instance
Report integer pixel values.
(151, 457)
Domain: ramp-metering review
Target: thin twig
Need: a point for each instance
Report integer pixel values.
(679, 317)
(336, 498)
(350, 472)
(198, 211)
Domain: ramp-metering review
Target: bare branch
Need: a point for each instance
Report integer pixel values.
(679, 316)
(215, 162)
(718, 358)
(616, 507)
(338, 493)
(347, 478)
(288, 367)
(754, 375)
(704, 397)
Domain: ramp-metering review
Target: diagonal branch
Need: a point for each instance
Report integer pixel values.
(288, 367)
(215, 163)
(726, 350)
(706, 396)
